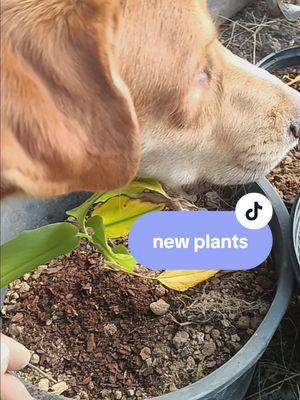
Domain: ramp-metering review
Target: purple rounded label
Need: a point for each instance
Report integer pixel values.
(197, 240)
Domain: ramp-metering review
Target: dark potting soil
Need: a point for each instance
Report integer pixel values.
(290, 76)
(286, 176)
(93, 329)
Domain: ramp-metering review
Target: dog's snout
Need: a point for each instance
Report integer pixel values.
(295, 130)
(294, 101)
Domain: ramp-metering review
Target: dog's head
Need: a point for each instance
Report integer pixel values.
(98, 91)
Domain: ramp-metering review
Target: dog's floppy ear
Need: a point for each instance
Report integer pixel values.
(68, 118)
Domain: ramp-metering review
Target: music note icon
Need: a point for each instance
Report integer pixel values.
(252, 213)
(254, 210)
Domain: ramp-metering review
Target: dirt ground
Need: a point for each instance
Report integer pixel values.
(253, 34)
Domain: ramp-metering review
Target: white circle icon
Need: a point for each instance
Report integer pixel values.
(254, 211)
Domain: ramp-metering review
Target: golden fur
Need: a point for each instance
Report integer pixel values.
(97, 91)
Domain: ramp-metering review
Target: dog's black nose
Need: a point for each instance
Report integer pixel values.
(295, 130)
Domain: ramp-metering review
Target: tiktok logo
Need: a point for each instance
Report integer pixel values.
(254, 211)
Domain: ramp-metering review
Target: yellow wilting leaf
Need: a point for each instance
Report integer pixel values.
(134, 189)
(120, 213)
(182, 280)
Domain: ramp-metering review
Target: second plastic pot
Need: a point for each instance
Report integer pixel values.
(285, 58)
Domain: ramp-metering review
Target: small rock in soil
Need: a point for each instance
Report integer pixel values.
(180, 339)
(160, 290)
(145, 353)
(24, 287)
(118, 395)
(235, 338)
(208, 349)
(159, 307)
(211, 364)
(110, 329)
(225, 323)
(43, 384)
(82, 396)
(172, 387)
(208, 328)
(200, 372)
(190, 363)
(105, 394)
(200, 337)
(15, 330)
(26, 277)
(35, 359)
(59, 388)
(215, 334)
(39, 271)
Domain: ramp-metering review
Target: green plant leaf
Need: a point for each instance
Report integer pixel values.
(125, 261)
(117, 255)
(32, 248)
(124, 258)
(120, 213)
(80, 212)
(183, 280)
(120, 249)
(149, 184)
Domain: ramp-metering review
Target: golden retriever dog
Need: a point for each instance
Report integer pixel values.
(96, 92)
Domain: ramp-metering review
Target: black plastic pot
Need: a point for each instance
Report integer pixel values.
(295, 238)
(230, 381)
(289, 57)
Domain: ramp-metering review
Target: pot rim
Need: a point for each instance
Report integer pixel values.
(287, 57)
(295, 237)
